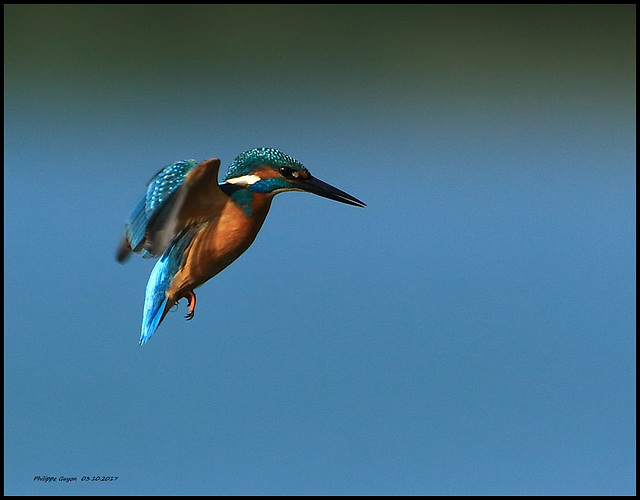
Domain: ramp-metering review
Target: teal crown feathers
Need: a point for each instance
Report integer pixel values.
(247, 162)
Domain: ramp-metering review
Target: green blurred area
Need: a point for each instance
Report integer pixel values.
(406, 45)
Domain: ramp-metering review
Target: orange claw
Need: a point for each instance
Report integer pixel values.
(191, 298)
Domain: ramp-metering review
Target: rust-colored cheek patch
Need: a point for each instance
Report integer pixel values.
(265, 172)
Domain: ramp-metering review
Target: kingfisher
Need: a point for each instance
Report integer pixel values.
(197, 226)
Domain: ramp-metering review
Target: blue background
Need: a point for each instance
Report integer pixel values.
(471, 331)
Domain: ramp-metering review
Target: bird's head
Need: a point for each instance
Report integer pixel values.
(269, 171)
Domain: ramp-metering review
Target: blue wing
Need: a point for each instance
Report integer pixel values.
(156, 303)
(145, 230)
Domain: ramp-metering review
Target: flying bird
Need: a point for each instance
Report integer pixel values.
(197, 227)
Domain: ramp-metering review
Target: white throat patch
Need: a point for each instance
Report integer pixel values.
(244, 180)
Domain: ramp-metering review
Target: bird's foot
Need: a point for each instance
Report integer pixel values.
(191, 298)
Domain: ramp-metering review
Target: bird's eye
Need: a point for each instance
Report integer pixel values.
(287, 172)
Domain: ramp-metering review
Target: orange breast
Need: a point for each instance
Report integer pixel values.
(220, 241)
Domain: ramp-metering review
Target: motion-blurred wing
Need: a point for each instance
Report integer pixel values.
(176, 195)
(159, 189)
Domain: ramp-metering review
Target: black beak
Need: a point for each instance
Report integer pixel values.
(316, 186)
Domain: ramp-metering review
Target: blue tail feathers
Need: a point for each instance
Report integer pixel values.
(156, 301)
